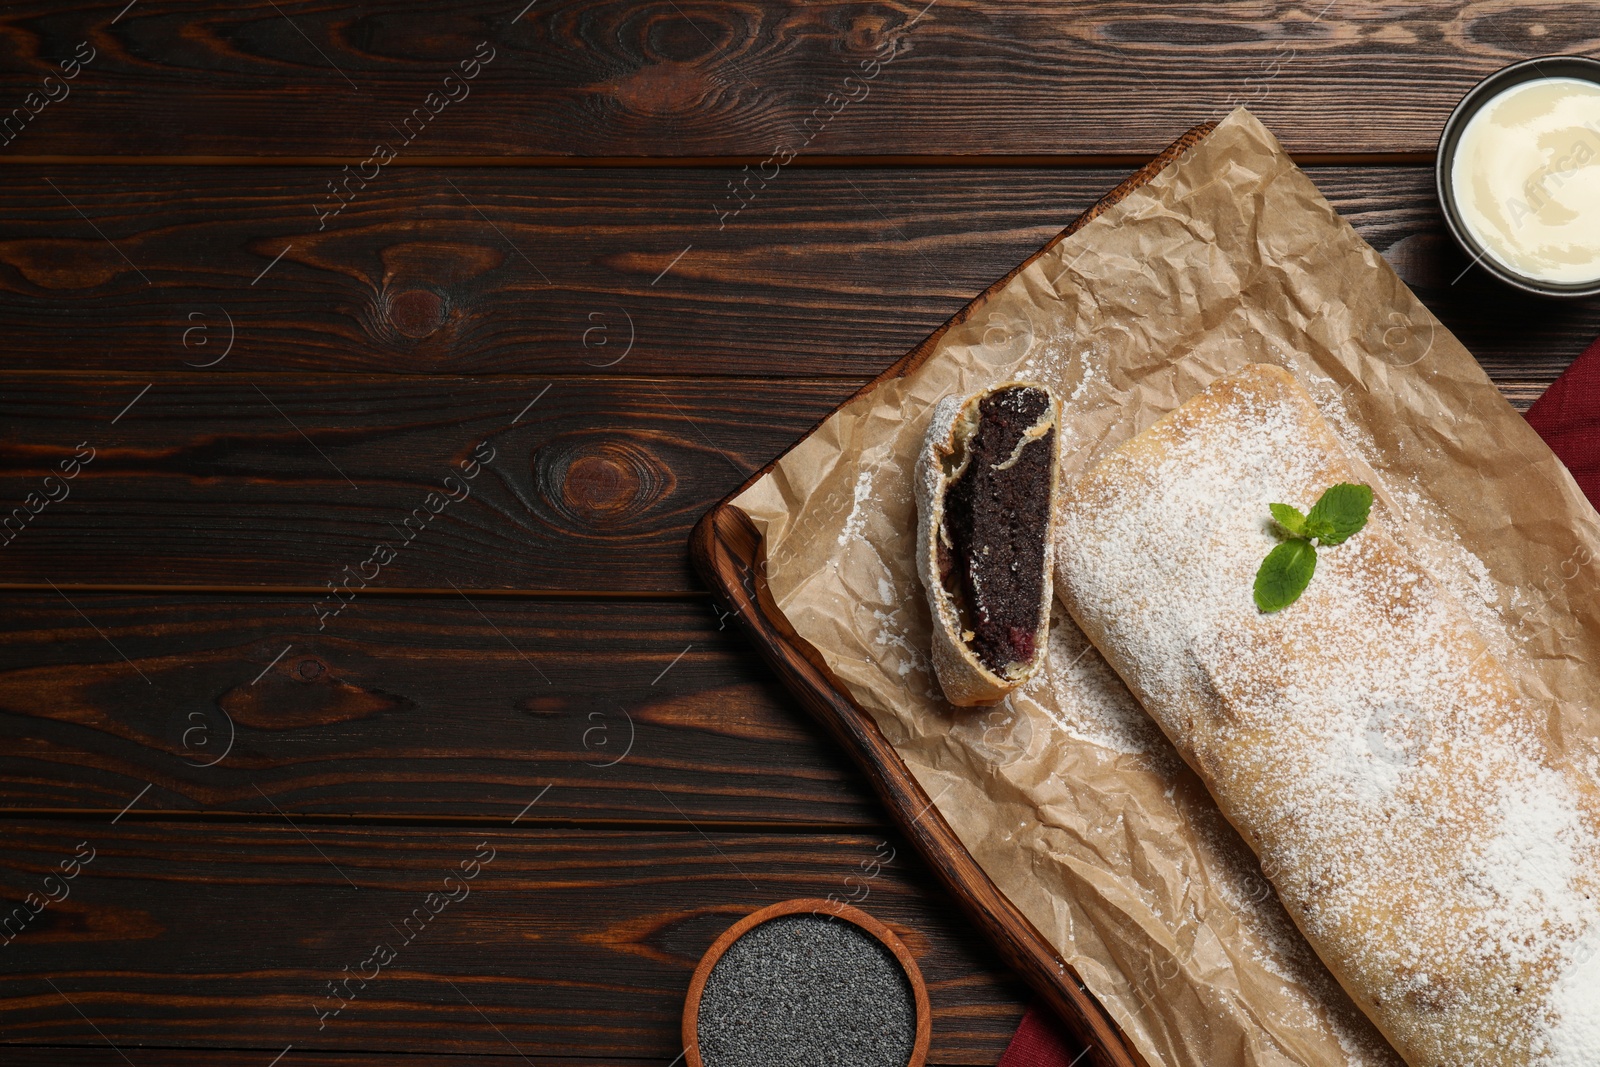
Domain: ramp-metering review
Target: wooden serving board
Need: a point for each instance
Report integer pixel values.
(728, 553)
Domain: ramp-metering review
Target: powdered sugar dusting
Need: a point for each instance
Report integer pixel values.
(857, 520)
(1366, 740)
(1090, 703)
(890, 631)
(1575, 1041)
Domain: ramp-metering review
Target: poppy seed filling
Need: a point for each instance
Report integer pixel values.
(997, 523)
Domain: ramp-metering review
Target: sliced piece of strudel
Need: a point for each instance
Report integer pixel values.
(987, 481)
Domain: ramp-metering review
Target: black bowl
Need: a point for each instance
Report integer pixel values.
(1486, 90)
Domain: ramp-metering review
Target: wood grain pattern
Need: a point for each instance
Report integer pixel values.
(226, 480)
(571, 943)
(825, 273)
(623, 712)
(720, 77)
(105, 1056)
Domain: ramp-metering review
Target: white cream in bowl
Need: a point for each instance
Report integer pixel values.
(1526, 179)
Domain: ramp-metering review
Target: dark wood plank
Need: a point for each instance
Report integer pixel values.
(827, 272)
(716, 77)
(104, 1055)
(570, 942)
(604, 711)
(224, 480)
(810, 280)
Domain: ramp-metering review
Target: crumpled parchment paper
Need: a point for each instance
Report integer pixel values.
(1066, 794)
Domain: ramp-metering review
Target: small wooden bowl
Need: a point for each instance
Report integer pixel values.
(807, 906)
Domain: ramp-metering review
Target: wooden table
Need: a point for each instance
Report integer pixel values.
(397, 367)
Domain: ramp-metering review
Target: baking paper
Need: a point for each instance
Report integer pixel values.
(1066, 794)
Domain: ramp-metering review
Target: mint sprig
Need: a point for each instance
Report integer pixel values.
(1338, 515)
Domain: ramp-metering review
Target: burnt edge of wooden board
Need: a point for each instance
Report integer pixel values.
(728, 553)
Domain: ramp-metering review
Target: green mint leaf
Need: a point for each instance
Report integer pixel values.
(1340, 513)
(1291, 519)
(1284, 574)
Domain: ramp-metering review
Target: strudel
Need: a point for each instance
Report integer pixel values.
(1366, 740)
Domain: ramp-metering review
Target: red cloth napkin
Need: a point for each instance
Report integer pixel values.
(1567, 416)
(1040, 1041)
